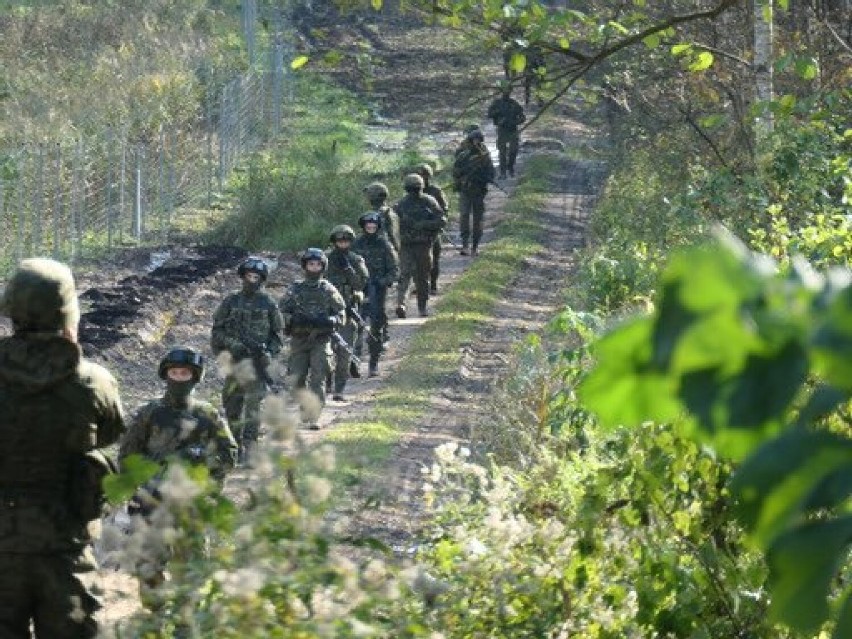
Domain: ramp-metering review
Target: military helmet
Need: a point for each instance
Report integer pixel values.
(370, 216)
(254, 265)
(425, 170)
(413, 182)
(376, 190)
(473, 132)
(342, 231)
(314, 254)
(41, 296)
(183, 356)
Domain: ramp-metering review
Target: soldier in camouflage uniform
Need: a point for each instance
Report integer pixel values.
(420, 221)
(57, 410)
(473, 170)
(180, 425)
(377, 195)
(425, 171)
(177, 426)
(383, 265)
(313, 309)
(348, 273)
(507, 115)
(248, 326)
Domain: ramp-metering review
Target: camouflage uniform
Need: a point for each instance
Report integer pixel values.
(507, 114)
(472, 171)
(438, 193)
(383, 264)
(348, 273)
(243, 321)
(377, 195)
(420, 220)
(182, 427)
(312, 309)
(55, 408)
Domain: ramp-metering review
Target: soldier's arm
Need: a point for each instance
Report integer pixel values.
(135, 440)
(392, 265)
(336, 306)
(226, 447)
(220, 337)
(361, 275)
(276, 327)
(441, 198)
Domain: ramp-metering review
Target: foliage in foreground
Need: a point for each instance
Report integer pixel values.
(756, 362)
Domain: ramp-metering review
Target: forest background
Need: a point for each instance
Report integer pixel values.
(689, 474)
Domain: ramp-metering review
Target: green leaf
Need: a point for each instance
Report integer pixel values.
(681, 49)
(299, 62)
(618, 27)
(776, 485)
(623, 388)
(802, 567)
(135, 471)
(843, 627)
(377, 4)
(807, 68)
(702, 61)
(652, 41)
(831, 341)
(518, 62)
(565, 43)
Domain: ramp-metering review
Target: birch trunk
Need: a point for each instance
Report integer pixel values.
(763, 22)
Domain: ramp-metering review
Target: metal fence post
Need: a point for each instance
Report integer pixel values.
(137, 200)
(110, 179)
(38, 203)
(57, 201)
(122, 189)
(19, 246)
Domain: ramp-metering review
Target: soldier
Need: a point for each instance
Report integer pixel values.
(57, 411)
(247, 325)
(420, 220)
(348, 273)
(383, 265)
(507, 114)
(177, 426)
(426, 172)
(313, 309)
(377, 195)
(180, 425)
(473, 170)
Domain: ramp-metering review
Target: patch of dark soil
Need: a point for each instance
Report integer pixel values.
(110, 310)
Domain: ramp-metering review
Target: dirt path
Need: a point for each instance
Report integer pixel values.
(463, 404)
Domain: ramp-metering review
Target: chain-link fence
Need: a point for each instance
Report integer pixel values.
(110, 190)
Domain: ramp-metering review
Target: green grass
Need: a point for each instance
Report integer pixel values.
(435, 351)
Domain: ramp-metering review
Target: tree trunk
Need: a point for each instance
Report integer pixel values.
(763, 21)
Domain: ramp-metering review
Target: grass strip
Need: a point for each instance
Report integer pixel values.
(435, 351)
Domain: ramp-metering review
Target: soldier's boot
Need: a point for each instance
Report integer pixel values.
(374, 366)
(400, 311)
(474, 251)
(354, 370)
(464, 250)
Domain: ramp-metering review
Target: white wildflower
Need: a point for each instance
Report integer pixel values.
(475, 548)
(324, 458)
(446, 452)
(178, 486)
(318, 489)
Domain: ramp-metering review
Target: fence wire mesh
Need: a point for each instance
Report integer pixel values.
(108, 191)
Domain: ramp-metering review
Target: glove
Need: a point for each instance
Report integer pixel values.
(321, 321)
(357, 298)
(343, 263)
(299, 319)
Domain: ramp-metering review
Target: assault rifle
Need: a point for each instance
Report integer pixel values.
(336, 339)
(258, 352)
(359, 320)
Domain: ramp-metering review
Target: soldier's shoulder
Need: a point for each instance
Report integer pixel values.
(201, 408)
(265, 299)
(97, 377)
